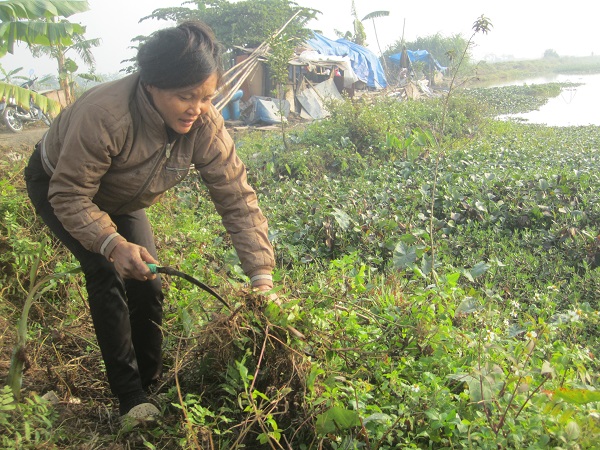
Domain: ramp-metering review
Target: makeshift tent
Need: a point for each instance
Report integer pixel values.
(312, 58)
(418, 55)
(365, 64)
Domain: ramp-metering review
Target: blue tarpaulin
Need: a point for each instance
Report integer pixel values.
(418, 55)
(364, 62)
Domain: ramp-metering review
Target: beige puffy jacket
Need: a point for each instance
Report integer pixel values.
(109, 152)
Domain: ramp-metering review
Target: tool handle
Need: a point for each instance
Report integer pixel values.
(153, 267)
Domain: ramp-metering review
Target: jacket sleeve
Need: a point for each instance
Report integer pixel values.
(225, 176)
(85, 156)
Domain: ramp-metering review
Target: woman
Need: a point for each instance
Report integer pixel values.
(114, 152)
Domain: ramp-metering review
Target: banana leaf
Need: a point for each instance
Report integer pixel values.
(21, 97)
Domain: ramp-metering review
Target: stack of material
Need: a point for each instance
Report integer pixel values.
(235, 77)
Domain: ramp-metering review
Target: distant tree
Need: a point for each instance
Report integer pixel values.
(550, 53)
(11, 76)
(359, 36)
(372, 16)
(67, 67)
(441, 48)
(246, 23)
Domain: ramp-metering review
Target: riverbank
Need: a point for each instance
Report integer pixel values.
(492, 73)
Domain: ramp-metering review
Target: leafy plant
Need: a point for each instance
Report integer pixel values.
(243, 23)
(38, 24)
(36, 290)
(30, 424)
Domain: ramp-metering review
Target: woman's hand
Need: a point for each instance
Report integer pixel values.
(130, 261)
(263, 289)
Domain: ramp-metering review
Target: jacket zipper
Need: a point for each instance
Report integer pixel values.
(165, 154)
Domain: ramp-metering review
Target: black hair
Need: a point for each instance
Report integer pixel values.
(180, 56)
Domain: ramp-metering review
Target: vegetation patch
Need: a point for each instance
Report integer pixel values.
(517, 99)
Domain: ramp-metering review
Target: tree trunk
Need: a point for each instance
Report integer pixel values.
(281, 95)
(63, 76)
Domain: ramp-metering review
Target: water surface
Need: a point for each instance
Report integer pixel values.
(574, 106)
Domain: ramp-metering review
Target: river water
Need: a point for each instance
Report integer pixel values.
(574, 106)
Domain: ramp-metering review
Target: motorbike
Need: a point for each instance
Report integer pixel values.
(15, 117)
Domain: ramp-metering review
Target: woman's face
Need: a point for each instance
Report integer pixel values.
(181, 107)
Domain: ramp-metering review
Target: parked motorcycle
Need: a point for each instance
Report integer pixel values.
(15, 117)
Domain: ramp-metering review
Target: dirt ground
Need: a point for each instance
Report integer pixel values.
(19, 145)
(26, 138)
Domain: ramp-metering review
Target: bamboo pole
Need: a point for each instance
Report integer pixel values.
(244, 68)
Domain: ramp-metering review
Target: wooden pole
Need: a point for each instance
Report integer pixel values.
(243, 69)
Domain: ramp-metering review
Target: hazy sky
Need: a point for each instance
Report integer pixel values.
(523, 28)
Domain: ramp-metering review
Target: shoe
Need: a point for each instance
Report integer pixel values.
(142, 414)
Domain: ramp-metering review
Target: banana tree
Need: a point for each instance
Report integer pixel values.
(372, 16)
(37, 22)
(67, 66)
(30, 21)
(360, 35)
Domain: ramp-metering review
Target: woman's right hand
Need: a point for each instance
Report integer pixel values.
(130, 261)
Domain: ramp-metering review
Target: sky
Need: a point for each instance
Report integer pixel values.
(522, 29)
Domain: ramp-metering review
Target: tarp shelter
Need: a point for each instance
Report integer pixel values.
(311, 89)
(312, 58)
(418, 55)
(365, 64)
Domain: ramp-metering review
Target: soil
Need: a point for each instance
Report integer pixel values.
(17, 146)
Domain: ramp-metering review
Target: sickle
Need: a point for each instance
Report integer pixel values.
(170, 271)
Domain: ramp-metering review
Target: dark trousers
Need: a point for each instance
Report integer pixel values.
(126, 313)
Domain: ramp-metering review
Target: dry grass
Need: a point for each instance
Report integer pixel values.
(277, 368)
